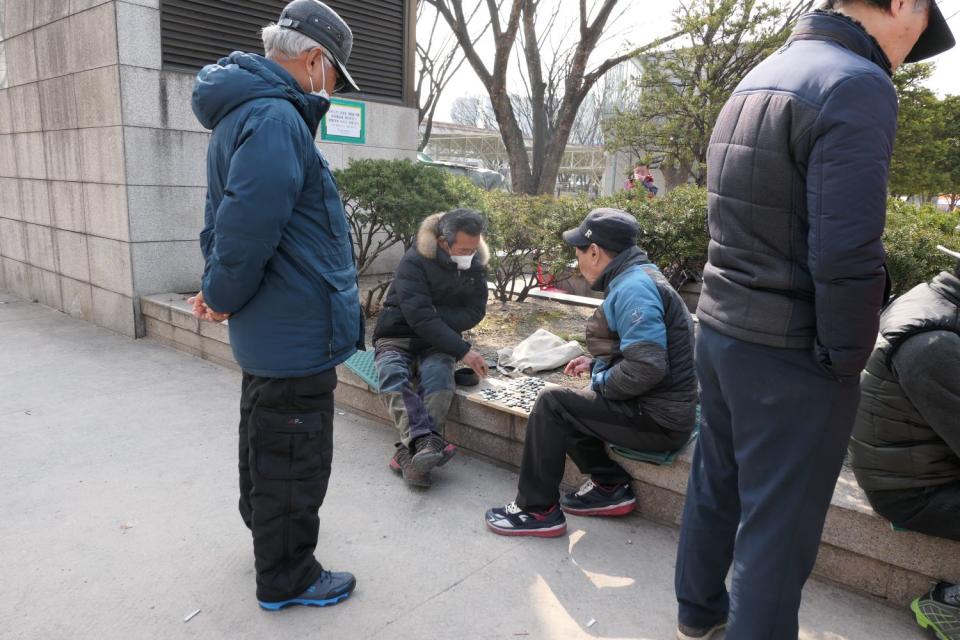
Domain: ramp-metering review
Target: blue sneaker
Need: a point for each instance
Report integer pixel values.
(329, 589)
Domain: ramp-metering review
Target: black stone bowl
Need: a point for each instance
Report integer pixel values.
(466, 377)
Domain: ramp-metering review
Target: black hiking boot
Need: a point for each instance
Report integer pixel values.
(402, 463)
(431, 451)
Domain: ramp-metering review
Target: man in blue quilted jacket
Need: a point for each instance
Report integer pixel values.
(279, 263)
(797, 174)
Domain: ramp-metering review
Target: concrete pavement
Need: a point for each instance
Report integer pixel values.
(118, 462)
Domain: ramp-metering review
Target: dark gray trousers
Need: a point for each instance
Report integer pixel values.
(774, 432)
(579, 423)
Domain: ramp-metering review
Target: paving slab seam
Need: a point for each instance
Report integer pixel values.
(513, 547)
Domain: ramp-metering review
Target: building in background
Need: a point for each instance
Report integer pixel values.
(623, 93)
(102, 163)
(581, 170)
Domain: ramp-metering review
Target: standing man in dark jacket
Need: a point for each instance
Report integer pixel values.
(439, 291)
(279, 262)
(643, 391)
(797, 175)
(905, 449)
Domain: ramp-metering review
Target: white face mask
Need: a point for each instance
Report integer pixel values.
(323, 82)
(464, 262)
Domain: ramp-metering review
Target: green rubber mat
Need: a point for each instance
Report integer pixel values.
(361, 363)
(665, 458)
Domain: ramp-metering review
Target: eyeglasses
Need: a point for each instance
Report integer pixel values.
(330, 63)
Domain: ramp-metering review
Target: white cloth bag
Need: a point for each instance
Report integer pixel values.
(541, 351)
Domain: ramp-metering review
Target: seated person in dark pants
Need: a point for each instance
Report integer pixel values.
(439, 291)
(905, 448)
(642, 396)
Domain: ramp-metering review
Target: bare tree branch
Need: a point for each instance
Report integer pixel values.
(439, 61)
(554, 76)
(610, 63)
(683, 88)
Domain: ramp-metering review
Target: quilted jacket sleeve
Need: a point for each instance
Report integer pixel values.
(636, 314)
(258, 202)
(846, 195)
(928, 367)
(206, 234)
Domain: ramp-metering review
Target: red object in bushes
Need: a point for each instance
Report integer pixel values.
(545, 283)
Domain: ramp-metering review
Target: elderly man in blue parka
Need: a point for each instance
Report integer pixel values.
(279, 263)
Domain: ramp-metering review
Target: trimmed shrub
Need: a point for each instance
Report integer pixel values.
(911, 238)
(386, 200)
(525, 237)
(673, 229)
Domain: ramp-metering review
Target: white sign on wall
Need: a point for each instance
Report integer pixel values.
(345, 122)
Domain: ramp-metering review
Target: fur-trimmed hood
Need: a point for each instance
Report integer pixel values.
(427, 241)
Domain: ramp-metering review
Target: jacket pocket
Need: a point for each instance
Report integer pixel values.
(345, 317)
(206, 242)
(290, 446)
(332, 203)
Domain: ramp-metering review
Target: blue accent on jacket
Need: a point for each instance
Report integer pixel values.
(633, 309)
(276, 242)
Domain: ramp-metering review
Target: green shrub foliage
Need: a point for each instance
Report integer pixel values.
(911, 238)
(386, 200)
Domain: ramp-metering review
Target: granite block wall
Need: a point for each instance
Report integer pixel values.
(102, 163)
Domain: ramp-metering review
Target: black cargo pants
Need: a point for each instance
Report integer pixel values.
(286, 448)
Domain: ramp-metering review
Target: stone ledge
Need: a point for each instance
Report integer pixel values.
(167, 319)
(859, 549)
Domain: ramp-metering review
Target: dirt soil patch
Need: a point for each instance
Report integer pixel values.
(508, 323)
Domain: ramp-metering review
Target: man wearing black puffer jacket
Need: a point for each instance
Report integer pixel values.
(905, 449)
(439, 291)
(797, 177)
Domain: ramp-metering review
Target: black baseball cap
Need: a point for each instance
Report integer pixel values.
(611, 229)
(319, 22)
(935, 39)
